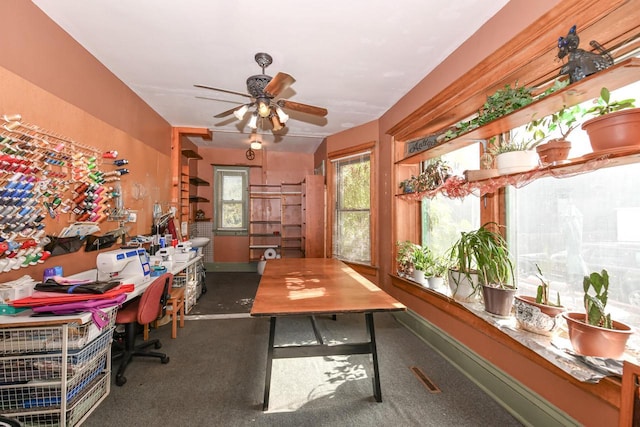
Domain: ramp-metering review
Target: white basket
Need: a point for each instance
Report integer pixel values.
(16, 369)
(38, 395)
(46, 339)
(77, 408)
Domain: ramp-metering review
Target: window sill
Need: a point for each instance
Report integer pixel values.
(364, 269)
(607, 389)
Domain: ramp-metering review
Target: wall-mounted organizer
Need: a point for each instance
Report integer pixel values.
(45, 177)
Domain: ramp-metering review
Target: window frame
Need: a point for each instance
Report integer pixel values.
(334, 156)
(219, 172)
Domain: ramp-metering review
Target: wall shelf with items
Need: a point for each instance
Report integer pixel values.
(265, 214)
(617, 76)
(457, 187)
(291, 243)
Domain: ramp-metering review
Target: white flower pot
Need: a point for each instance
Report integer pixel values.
(418, 276)
(437, 284)
(461, 288)
(516, 162)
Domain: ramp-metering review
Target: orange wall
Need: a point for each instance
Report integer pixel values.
(55, 84)
(268, 167)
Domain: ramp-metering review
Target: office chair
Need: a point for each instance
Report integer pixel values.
(142, 311)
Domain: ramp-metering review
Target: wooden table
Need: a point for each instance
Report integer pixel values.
(314, 286)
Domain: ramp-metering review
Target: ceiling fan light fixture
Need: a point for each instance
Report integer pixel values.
(263, 108)
(276, 123)
(253, 121)
(240, 112)
(256, 145)
(282, 116)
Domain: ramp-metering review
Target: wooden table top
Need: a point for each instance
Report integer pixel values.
(308, 286)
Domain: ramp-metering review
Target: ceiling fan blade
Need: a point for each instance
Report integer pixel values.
(224, 90)
(303, 108)
(219, 100)
(230, 111)
(277, 84)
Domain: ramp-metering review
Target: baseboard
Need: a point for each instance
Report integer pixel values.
(524, 404)
(239, 267)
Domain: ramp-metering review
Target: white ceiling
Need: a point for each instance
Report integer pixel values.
(356, 58)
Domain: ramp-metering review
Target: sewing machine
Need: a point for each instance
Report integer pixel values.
(127, 265)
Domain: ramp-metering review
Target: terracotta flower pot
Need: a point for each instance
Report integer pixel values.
(589, 340)
(553, 151)
(614, 130)
(537, 318)
(498, 301)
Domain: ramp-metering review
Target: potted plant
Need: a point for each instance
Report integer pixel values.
(594, 333)
(563, 122)
(514, 154)
(436, 271)
(404, 257)
(539, 314)
(479, 257)
(616, 123)
(421, 259)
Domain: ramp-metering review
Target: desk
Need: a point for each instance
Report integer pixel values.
(314, 286)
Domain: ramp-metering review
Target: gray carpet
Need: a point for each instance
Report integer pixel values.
(227, 293)
(216, 378)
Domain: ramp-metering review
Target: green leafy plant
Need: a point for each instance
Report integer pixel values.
(421, 257)
(485, 252)
(604, 105)
(437, 267)
(404, 256)
(516, 143)
(503, 102)
(542, 294)
(595, 304)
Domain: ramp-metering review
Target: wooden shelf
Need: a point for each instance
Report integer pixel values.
(617, 76)
(194, 180)
(197, 199)
(587, 163)
(190, 154)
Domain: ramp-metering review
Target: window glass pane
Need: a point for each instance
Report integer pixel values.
(352, 241)
(354, 188)
(231, 198)
(352, 238)
(443, 218)
(573, 226)
(232, 215)
(232, 188)
(576, 225)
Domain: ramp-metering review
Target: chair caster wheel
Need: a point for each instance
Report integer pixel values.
(120, 380)
(164, 360)
(157, 345)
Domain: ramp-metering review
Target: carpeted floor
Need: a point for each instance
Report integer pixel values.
(227, 293)
(216, 378)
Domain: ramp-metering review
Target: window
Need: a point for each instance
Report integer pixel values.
(231, 208)
(443, 218)
(352, 200)
(573, 226)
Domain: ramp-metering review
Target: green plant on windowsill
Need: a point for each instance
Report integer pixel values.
(404, 257)
(483, 251)
(595, 304)
(542, 294)
(526, 142)
(421, 258)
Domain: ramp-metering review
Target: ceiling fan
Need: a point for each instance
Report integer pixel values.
(263, 90)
